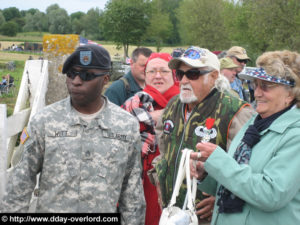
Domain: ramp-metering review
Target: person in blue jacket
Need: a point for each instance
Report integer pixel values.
(258, 181)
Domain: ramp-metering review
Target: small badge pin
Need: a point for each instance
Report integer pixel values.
(207, 132)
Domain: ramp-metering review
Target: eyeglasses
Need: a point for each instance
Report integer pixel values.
(161, 72)
(242, 60)
(264, 86)
(193, 74)
(84, 75)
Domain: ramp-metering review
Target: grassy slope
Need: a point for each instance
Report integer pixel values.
(10, 98)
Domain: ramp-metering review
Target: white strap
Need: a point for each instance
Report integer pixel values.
(194, 187)
(179, 178)
(184, 171)
(191, 186)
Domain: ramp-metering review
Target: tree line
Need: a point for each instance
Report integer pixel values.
(257, 25)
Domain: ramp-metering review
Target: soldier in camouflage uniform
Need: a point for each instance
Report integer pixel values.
(86, 149)
(200, 113)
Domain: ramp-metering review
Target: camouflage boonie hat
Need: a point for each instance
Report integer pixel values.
(227, 63)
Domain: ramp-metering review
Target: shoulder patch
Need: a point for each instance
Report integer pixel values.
(24, 136)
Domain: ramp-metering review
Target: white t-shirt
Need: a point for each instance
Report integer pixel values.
(89, 117)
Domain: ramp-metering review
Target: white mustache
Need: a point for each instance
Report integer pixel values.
(186, 86)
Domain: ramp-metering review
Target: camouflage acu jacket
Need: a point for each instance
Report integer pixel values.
(218, 108)
(84, 167)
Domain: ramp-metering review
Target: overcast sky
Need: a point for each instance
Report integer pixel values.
(70, 5)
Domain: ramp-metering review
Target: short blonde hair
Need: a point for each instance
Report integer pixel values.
(283, 64)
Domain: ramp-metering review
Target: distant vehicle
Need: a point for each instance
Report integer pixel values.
(18, 49)
(36, 47)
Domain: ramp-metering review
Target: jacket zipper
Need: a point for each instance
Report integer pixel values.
(185, 123)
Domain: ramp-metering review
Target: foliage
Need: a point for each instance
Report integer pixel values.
(10, 29)
(264, 25)
(52, 7)
(91, 24)
(58, 19)
(77, 25)
(11, 13)
(20, 23)
(275, 24)
(31, 11)
(201, 22)
(160, 27)
(2, 19)
(124, 22)
(170, 7)
(35, 22)
(257, 25)
(76, 15)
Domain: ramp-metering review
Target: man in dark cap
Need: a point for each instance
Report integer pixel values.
(85, 148)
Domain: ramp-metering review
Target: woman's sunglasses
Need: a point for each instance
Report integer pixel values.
(264, 85)
(84, 75)
(192, 74)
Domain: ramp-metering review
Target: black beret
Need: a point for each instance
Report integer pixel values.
(90, 56)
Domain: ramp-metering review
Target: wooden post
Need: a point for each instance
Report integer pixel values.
(57, 48)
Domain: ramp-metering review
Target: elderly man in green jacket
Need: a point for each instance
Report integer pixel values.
(201, 112)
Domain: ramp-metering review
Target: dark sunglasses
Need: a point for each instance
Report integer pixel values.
(193, 74)
(84, 75)
(242, 60)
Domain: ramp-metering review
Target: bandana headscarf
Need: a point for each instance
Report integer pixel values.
(165, 56)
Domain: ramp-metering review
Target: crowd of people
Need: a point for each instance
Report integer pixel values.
(120, 151)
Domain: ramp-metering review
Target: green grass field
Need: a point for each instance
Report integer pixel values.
(25, 37)
(10, 98)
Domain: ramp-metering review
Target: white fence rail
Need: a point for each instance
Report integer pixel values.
(3, 156)
(31, 99)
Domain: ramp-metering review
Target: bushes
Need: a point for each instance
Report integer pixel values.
(9, 29)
